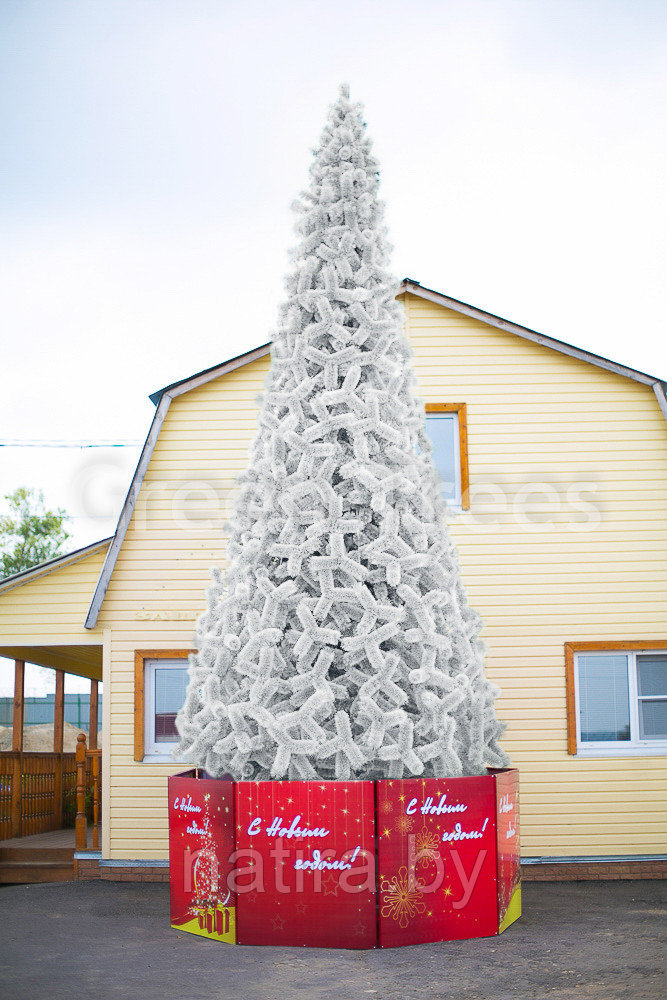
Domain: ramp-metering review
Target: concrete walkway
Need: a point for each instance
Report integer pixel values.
(103, 940)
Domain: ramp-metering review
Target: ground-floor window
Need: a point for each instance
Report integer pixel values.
(620, 699)
(161, 679)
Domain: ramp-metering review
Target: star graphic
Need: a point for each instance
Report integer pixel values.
(278, 923)
(330, 884)
(301, 908)
(359, 929)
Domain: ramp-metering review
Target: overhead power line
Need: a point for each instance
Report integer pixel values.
(44, 443)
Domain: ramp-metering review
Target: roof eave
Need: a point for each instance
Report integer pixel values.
(414, 288)
(200, 378)
(164, 397)
(49, 565)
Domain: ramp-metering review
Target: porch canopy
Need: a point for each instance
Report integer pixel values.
(42, 615)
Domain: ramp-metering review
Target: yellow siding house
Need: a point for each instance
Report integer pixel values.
(554, 462)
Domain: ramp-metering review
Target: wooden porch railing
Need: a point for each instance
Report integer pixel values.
(88, 778)
(38, 791)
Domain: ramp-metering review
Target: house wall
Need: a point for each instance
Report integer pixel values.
(536, 573)
(52, 608)
(174, 537)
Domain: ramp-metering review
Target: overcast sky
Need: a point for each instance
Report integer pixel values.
(150, 151)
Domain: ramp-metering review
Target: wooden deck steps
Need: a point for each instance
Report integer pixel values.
(45, 857)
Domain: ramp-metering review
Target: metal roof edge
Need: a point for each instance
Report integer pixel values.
(163, 397)
(660, 390)
(49, 565)
(200, 378)
(414, 288)
(127, 510)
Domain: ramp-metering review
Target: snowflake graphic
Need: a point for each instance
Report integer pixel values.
(401, 898)
(386, 806)
(403, 824)
(426, 846)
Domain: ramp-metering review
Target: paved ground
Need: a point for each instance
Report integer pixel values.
(104, 940)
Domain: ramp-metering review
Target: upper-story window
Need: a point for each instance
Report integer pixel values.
(446, 426)
(621, 701)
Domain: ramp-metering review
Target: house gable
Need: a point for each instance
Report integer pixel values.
(468, 317)
(174, 532)
(42, 613)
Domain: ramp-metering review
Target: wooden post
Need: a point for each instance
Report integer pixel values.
(95, 766)
(16, 795)
(80, 831)
(17, 748)
(17, 721)
(92, 716)
(58, 793)
(59, 712)
(58, 728)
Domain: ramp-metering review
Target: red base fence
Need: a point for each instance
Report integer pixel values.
(344, 864)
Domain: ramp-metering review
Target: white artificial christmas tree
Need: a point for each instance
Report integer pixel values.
(340, 644)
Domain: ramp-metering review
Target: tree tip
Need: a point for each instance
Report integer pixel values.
(344, 91)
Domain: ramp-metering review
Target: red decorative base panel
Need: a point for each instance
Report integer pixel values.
(344, 864)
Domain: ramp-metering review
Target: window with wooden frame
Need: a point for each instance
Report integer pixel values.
(616, 698)
(447, 428)
(160, 682)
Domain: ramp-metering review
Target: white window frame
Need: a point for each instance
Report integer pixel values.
(634, 747)
(157, 752)
(456, 502)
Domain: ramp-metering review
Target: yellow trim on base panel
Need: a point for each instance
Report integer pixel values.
(192, 927)
(513, 911)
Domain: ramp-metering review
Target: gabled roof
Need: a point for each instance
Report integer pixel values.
(162, 398)
(42, 569)
(414, 288)
(192, 381)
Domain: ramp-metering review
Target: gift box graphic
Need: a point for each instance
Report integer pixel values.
(201, 848)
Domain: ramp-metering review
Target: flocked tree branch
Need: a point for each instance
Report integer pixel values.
(340, 643)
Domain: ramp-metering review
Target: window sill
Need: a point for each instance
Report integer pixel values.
(161, 758)
(643, 751)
